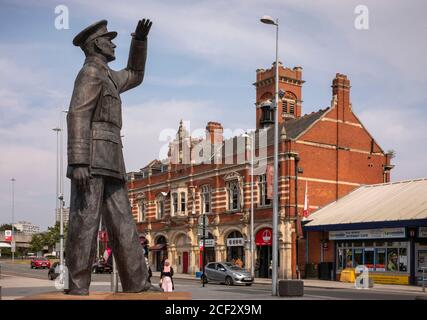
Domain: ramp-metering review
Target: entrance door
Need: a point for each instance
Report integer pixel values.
(264, 256)
(185, 262)
(420, 261)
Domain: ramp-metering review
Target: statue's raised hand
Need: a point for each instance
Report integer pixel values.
(142, 29)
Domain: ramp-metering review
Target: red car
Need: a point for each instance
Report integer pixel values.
(40, 262)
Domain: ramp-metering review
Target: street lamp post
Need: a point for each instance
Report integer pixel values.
(60, 188)
(13, 219)
(252, 241)
(269, 20)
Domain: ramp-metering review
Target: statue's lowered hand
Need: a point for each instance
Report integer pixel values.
(142, 29)
(82, 177)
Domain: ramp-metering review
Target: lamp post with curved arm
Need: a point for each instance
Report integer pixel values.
(269, 20)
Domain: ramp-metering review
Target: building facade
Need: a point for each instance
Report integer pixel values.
(328, 152)
(26, 227)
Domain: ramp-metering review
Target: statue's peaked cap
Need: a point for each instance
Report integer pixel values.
(98, 29)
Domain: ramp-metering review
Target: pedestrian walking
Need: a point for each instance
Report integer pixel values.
(166, 280)
(150, 273)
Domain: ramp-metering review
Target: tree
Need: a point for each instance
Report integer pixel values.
(6, 226)
(37, 242)
(49, 238)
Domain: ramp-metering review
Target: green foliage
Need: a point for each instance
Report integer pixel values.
(37, 242)
(6, 226)
(49, 238)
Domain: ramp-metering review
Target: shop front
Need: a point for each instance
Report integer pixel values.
(235, 247)
(209, 248)
(421, 254)
(263, 241)
(381, 227)
(384, 252)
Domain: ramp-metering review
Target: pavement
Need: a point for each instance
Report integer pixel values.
(19, 280)
(321, 284)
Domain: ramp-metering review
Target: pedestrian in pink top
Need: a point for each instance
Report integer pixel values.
(166, 281)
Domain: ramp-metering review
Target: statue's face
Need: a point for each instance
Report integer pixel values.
(106, 46)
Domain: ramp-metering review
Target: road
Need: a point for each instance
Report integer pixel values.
(101, 282)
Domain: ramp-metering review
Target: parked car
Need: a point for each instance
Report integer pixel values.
(53, 274)
(102, 267)
(39, 262)
(225, 272)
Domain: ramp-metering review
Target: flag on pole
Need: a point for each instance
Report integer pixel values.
(305, 211)
(270, 180)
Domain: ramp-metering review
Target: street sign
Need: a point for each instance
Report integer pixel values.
(13, 246)
(209, 243)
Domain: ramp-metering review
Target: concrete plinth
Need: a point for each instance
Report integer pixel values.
(291, 288)
(57, 295)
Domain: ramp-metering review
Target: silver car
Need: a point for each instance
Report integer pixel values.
(225, 272)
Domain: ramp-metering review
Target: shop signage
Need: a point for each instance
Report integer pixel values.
(264, 237)
(422, 232)
(235, 242)
(386, 233)
(209, 243)
(8, 235)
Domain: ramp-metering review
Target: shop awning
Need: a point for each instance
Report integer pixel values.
(396, 204)
(158, 247)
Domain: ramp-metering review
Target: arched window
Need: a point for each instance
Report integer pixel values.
(233, 193)
(183, 202)
(206, 199)
(142, 207)
(160, 206)
(262, 188)
(289, 105)
(174, 203)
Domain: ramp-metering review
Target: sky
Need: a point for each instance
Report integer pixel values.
(202, 57)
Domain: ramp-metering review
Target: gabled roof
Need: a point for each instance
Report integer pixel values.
(385, 203)
(153, 163)
(295, 127)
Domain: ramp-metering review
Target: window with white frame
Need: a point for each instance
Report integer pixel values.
(233, 195)
(141, 210)
(206, 199)
(183, 202)
(262, 191)
(174, 203)
(160, 206)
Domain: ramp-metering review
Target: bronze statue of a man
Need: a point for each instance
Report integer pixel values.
(95, 160)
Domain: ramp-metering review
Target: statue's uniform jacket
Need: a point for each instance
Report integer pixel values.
(95, 115)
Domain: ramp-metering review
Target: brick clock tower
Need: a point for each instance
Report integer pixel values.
(290, 81)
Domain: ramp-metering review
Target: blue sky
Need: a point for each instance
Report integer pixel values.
(201, 65)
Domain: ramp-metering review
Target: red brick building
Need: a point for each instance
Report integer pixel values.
(329, 151)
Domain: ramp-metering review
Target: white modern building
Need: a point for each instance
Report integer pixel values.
(26, 227)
